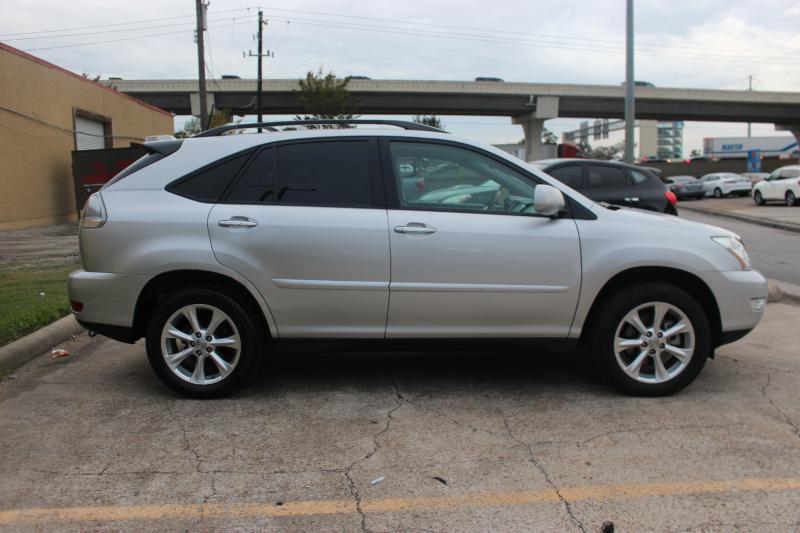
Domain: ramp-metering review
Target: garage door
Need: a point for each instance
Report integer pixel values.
(89, 134)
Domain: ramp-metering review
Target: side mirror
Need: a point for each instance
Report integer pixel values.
(548, 201)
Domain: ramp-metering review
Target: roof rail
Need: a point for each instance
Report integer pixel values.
(271, 126)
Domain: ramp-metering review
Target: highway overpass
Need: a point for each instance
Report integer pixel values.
(529, 104)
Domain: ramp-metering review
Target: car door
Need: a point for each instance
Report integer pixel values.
(609, 183)
(306, 223)
(709, 184)
(469, 257)
(769, 191)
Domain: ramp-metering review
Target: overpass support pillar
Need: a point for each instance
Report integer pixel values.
(194, 103)
(533, 125)
(793, 128)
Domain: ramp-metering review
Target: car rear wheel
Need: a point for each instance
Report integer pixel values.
(790, 198)
(202, 343)
(652, 340)
(718, 193)
(757, 198)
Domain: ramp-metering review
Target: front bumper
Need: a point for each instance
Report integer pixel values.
(737, 294)
(108, 299)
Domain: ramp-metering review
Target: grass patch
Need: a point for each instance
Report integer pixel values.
(31, 298)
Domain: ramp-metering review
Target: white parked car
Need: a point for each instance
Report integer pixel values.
(782, 185)
(720, 184)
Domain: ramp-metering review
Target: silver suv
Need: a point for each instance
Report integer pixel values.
(218, 247)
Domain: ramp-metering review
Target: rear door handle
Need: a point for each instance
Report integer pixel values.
(238, 222)
(415, 228)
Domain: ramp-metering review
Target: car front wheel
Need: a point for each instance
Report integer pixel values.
(652, 340)
(757, 198)
(202, 343)
(790, 198)
(718, 193)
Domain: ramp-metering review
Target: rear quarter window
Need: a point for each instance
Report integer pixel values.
(640, 177)
(208, 183)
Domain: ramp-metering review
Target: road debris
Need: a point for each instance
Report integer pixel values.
(59, 352)
(440, 480)
(376, 481)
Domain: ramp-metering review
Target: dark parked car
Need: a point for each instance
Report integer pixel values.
(685, 187)
(613, 183)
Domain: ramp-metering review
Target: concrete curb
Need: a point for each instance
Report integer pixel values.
(781, 291)
(744, 218)
(29, 347)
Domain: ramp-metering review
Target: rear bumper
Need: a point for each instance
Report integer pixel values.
(108, 299)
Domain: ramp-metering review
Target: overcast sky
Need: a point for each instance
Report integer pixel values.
(698, 43)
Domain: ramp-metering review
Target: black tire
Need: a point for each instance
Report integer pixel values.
(757, 198)
(251, 342)
(718, 193)
(790, 198)
(611, 314)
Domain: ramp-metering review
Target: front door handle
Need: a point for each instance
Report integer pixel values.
(415, 228)
(238, 222)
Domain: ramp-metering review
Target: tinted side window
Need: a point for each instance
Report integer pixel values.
(257, 183)
(606, 177)
(569, 175)
(208, 184)
(329, 173)
(443, 177)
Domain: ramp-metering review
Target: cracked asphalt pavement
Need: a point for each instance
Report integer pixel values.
(493, 439)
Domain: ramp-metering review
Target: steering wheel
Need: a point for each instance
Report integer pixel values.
(499, 198)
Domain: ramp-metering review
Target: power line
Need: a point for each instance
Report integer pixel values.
(517, 41)
(129, 38)
(151, 27)
(116, 24)
(494, 32)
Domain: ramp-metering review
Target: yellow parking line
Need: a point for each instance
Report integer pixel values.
(386, 505)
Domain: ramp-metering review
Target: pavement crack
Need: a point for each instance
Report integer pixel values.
(540, 467)
(786, 418)
(187, 445)
(376, 445)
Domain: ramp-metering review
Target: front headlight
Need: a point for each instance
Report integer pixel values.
(736, 248)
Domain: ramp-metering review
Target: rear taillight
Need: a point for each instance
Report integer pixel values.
(94, 212)
(671, 198)
(730, 181)
(76, 306)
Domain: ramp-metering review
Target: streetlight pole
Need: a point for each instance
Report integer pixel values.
(629, 84)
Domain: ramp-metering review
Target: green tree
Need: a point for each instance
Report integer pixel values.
(324, 97)
(190, 127)
(695, 153)
(548, 137)
(429, 120)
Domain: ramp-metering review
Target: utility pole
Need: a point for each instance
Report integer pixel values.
(260, 92)
(260, 55)
(629, 84)
(749, 88)
(201, 64)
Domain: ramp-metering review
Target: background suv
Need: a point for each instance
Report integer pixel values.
(782, 185)
(612, 182)
(218, 247)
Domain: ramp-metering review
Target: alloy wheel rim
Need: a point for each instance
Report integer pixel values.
(200, 344)
(654, 342)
